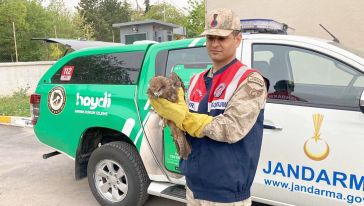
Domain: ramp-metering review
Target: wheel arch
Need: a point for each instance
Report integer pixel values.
(89, 141)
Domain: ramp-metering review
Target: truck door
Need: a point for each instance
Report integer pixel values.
(185, 63)
(157, 149)
(312, 145)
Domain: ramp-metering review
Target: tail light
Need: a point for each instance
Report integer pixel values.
(34, 107)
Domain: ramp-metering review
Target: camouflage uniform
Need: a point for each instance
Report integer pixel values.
(241, 112)
(238, 123)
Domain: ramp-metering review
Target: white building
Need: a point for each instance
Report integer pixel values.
(345, 19)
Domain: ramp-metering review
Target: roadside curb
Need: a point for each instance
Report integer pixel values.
(16, 121)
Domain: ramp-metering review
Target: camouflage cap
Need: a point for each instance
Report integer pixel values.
(221, 22)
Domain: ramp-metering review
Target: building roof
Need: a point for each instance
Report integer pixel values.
(148, 21)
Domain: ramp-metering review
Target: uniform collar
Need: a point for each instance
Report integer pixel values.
(223, 68)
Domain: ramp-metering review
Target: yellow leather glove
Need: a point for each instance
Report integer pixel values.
(169, 110)
(192, 123)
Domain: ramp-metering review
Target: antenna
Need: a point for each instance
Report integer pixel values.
(333, 36)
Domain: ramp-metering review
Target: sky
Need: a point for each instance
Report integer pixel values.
(181, 4)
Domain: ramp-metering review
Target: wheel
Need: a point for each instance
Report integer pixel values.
(116, 175)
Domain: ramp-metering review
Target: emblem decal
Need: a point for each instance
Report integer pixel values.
(67, 72)
(256, 80)
(214, 21)
(219, 89)
(56, 100)
(316, 148)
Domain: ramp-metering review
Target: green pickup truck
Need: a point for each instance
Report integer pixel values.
(92, 106)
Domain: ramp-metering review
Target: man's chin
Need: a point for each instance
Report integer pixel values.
(216, 58)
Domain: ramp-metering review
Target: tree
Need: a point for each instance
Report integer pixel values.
(193, 22)
(39, 24)
(10, 11)
(165, 12)
(147, 6)
(66, 25)
(86, 30)
(196, 18)
(101, 14)
(31, 20)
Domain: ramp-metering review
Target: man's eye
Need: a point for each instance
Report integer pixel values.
(218, 38)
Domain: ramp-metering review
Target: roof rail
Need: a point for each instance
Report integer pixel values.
(263, 26)
(145, 42)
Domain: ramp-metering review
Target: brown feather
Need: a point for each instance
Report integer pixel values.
(167, 88)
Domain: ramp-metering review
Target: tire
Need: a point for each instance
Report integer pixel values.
(116, 175)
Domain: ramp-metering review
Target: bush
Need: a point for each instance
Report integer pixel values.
(15, 105)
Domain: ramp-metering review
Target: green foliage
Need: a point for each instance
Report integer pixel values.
(93, 20)
(102, 14)
(65, 25)
(61, 20)
(194, 21)
(15, 105)
(86, 31)
(164, 12)
(31, 20)
(38, 24)
(196, 18)
(10, 11)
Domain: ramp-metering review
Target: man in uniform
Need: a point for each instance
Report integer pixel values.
(223, 120)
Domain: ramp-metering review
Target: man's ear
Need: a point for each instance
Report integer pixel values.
(238, 39)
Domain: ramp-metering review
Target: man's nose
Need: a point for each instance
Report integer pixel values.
(215, 42)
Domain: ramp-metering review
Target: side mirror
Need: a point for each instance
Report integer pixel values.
(361, 102)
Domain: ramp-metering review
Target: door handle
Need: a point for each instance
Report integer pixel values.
(265, 126)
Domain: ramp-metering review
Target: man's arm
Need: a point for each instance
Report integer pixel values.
(241, 112)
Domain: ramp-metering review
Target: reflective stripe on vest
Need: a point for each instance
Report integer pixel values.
(223, 91)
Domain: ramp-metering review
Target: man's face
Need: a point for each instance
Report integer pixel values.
(221, 49)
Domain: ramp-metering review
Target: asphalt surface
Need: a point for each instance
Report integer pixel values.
(26, 179)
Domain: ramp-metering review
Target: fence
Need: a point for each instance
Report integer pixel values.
(22, 75)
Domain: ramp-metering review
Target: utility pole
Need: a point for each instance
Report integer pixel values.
(55, 31)
(16, 48)
(55, 34)
(113, 35)
(87, 34)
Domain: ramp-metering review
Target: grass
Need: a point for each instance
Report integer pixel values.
(15, 105)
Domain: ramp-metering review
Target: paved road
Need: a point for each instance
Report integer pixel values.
(26, 179)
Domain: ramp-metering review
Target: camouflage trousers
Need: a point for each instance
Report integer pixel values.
(191, 201)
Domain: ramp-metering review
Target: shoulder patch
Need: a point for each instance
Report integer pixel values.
(256, 80)
(253, 92)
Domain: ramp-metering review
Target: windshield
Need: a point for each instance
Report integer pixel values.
(357, 52)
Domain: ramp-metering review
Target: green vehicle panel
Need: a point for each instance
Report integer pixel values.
(118, 107)
(150, 69)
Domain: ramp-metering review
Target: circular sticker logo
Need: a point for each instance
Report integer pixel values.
(56, 100)
(219, 89)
